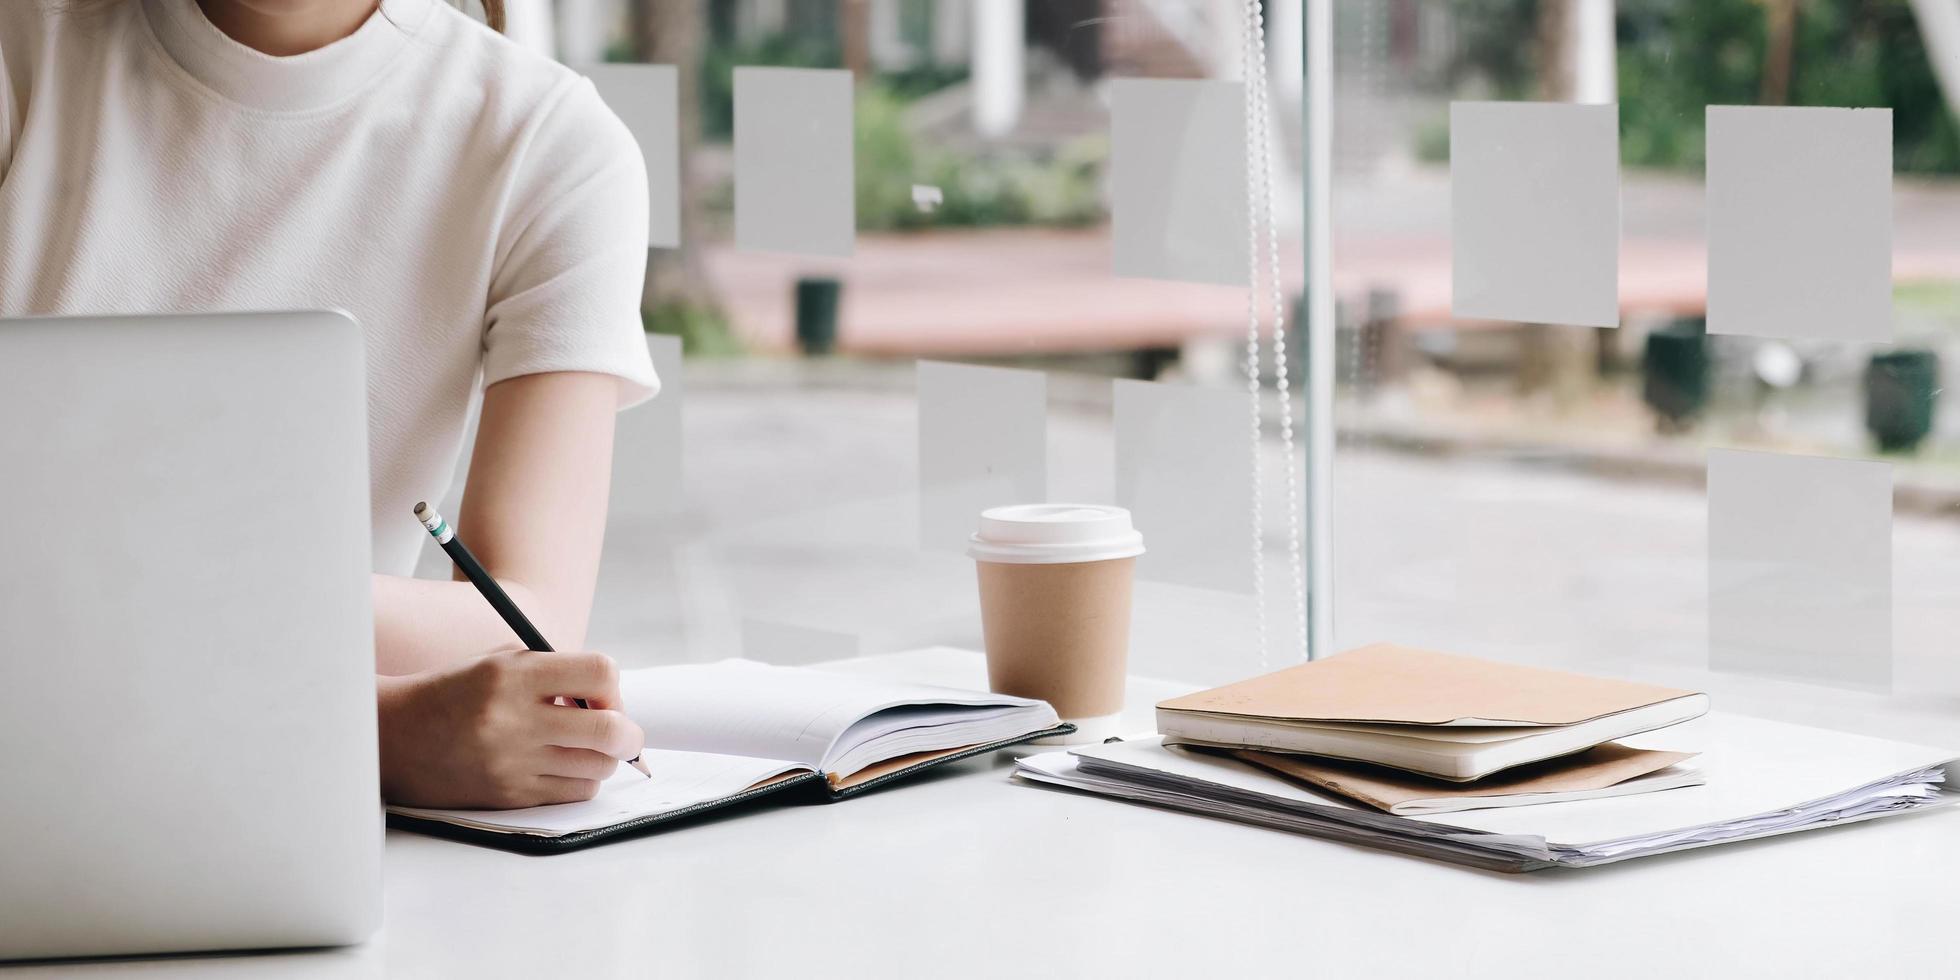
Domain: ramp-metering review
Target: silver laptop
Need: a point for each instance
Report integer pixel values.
(187, 744)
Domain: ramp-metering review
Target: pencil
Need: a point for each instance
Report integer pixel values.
(493, 593)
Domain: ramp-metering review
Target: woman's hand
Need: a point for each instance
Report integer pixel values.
(489, 733)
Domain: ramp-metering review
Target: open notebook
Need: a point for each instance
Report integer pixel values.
(726, 732)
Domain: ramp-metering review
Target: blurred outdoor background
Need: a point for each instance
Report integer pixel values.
(1538, 492)
(1518, 490)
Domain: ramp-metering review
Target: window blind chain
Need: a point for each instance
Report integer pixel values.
(1254, 202)
(1258, 80)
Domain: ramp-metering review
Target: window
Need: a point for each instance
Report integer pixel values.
(1739, 486)
(982, 304)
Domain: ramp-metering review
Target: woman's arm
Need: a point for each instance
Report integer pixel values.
(534, 515)
(469, 725)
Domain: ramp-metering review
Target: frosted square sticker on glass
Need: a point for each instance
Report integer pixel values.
(1184, 469)
(1535, 212)
(646, 98)
(648, 445)
(1800, 567)
(795, 189)
(1800, 222)
(1177, 176)
(983, 442)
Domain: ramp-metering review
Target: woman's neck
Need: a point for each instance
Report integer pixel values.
(287, 27)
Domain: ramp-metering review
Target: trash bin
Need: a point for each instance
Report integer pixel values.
(816, 314)
(1675, 373)
(1901, 390)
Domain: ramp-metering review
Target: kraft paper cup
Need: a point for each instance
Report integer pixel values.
(1055, 584)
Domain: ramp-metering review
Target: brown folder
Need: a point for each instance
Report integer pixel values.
(1386, 683)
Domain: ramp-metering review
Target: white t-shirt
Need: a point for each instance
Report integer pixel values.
(475, 206)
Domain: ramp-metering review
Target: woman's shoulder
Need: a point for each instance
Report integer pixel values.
(514, 82)
(520, 98)
(553, 130)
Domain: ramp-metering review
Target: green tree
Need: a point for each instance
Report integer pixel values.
(1676, 57)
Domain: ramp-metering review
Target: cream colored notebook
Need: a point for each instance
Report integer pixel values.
(1599, 772)
(1452, 717)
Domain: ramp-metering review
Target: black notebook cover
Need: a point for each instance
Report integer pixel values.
(810, 782)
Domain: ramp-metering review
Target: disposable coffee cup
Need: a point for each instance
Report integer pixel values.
(1055, 608)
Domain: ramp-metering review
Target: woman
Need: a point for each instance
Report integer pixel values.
(478, 210)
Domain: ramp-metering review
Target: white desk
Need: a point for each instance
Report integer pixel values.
(966, 874)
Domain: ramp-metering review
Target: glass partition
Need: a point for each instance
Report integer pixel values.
(916, 258)
(1641, 312)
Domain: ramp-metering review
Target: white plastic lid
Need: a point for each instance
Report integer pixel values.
(1053, 534)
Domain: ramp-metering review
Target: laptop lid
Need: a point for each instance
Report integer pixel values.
(187, 648)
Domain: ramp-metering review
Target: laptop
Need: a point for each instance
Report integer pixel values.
(189, 753)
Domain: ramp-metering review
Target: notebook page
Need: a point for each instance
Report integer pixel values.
(741, 707)
(680, 780)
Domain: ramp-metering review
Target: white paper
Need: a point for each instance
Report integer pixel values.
(1753, 765)
(1800, 222)
(795, 186)
(679, 780)
(1535, 212)
(1177, 178)
(646, 98)
(1763, 778)
(1800, 567)
(983, 442)
(1184, 469)
(753, 709)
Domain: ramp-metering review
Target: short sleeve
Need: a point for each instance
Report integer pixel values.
(565, 292)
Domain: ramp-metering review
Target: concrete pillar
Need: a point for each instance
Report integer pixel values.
(999, 69)
(1939, 24)
(1225, 22)
(584, 28)
(950, 22)
(766, 17)
(1285, 49)
(528, 22)
(888, 46)
(1594, 53)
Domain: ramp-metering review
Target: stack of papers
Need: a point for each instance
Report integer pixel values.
(1441, 715)
(1764, 778)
